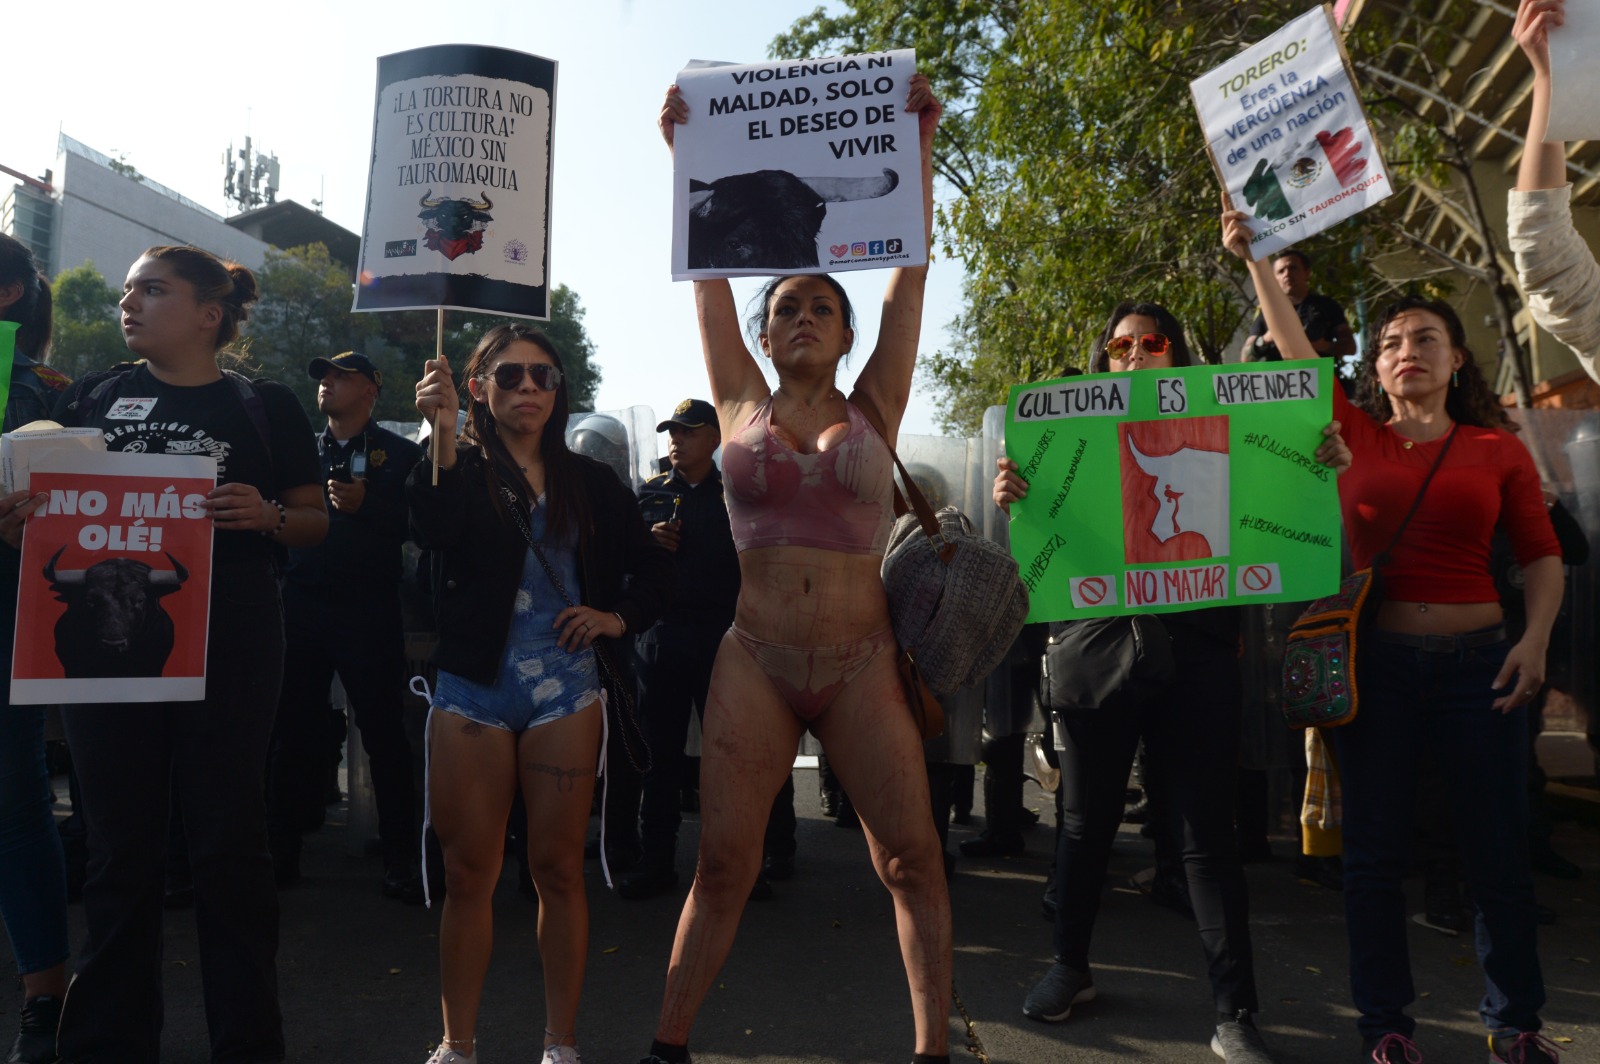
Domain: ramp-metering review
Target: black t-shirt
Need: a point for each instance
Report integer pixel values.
(209, 419)
(1321, 317)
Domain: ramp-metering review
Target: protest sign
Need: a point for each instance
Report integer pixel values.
(1158, 491)
(8, 355)
(1288, 135)
(1574, 74)
(116, 580)
(797, 166)
(458, 196)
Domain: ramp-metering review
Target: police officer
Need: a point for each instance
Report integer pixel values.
(341, 605)
(685, 510)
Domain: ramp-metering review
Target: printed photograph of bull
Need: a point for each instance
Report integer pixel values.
(769, 219)
(114, 624)
(455, 226)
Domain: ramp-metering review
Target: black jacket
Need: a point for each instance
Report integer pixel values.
(361, 555)
(621, 568)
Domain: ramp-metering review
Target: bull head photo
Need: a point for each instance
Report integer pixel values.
(114, 624)
(769, 219)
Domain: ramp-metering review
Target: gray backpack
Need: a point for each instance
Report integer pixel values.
(955, 598)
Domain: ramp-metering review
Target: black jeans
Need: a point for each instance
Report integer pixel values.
(1412, 701)
(362, 640)
(674, 665)
(210, 756)
(1191, 742)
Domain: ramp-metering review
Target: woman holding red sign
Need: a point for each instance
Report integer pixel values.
(181, 307)
(1435, 464)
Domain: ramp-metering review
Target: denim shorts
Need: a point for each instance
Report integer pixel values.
(537, 687)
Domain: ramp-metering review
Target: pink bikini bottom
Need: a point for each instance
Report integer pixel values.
(809, 678)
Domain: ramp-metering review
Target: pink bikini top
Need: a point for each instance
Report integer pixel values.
(838, 499)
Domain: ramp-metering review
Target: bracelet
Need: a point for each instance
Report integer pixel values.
(622, 622)
(283, 519)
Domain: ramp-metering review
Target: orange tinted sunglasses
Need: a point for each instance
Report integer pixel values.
(1119, 347)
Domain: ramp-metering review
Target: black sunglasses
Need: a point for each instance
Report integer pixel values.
(507, 376)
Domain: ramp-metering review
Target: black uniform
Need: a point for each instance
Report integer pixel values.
(342, 615)
(675, 655)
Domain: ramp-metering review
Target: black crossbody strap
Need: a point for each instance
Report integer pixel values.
(1383, 558)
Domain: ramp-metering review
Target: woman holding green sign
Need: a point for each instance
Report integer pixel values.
(1191, 743)
(809, 487)
(1436, 668)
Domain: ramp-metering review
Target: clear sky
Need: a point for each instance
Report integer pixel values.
(170, 85)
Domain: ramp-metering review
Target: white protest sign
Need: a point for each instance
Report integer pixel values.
(1288, 136)
(1574, 74)
(797, 166)
(458, 197)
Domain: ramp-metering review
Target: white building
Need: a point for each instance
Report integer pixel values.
(93, 209)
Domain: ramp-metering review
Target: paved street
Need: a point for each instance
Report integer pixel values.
(815, 975)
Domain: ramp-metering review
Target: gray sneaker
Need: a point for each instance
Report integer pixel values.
(1060, 989)
(1238, 1042)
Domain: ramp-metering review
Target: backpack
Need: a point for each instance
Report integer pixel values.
(97, 400)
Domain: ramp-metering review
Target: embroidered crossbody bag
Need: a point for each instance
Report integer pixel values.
(1319, 661)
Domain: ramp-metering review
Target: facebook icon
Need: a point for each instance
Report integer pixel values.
(875, 247)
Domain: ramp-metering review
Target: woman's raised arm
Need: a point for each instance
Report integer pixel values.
(736, 377)
(886, 377)
(1283, 322)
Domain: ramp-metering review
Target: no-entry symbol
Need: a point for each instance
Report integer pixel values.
(1256, 578)
(1091, 591)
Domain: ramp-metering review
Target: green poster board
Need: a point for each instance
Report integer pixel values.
(8, 354)
(1158, 491)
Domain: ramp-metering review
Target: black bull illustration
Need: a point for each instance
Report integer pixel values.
(451, 223)
(114, 624)
(768, 219)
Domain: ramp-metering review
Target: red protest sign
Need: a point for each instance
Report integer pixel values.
(116, 580)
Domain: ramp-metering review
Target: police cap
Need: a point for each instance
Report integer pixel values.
(349, 362)
(690, 414)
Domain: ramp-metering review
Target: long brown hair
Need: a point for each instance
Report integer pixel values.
(1469, 401)
(566, 503)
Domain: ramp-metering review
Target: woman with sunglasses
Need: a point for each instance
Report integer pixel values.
(1436, 668)
(544, 558)
(808, 484)
(1191, 747)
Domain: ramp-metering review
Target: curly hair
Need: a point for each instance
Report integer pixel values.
(1470, 400)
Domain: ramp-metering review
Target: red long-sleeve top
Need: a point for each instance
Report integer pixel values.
(1488, 478)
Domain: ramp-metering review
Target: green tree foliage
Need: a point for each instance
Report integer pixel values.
(305, 312)
(85, 334)
(1081, 173)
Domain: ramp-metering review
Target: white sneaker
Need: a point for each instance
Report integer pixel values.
(560, 1055)
(445, 1055)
